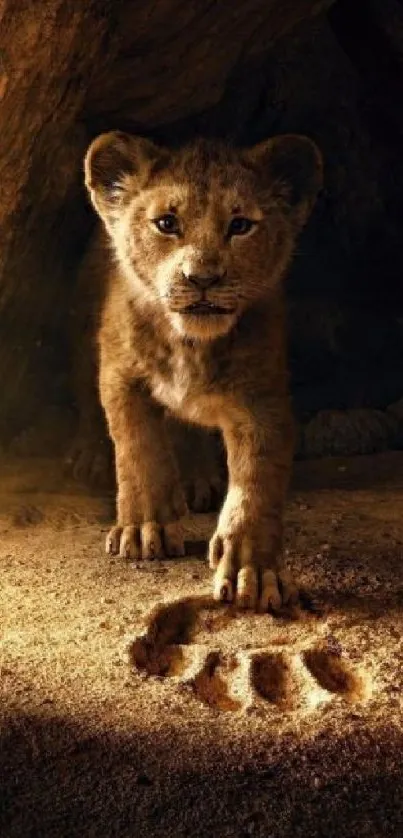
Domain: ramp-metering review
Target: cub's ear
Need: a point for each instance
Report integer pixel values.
(117, 164)
(291, 167)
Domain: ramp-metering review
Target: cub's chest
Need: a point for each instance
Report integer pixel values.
(185, 386)
(177, 381)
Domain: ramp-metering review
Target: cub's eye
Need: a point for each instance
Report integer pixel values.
(167, 224)
(239, 226)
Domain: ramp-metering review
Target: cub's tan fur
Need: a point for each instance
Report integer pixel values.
(192, 325)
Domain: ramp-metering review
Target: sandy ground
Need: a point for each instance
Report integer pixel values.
(199, 721)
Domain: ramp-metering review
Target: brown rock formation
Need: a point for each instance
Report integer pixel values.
(241, 70)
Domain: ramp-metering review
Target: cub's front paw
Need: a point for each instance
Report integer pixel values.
(247, 578)
(146, 541)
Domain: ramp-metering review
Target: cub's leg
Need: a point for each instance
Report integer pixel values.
(200, 458)
(246, 549)
(90, 457)
(150, 499)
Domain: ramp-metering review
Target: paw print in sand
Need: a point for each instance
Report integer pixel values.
(282, 675)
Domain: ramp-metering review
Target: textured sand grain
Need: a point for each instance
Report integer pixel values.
(250, 725)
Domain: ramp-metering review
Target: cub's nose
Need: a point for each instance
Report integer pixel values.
(203, 281)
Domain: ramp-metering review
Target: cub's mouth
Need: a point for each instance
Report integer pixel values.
(206, 309)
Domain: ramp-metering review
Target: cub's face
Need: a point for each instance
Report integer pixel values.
(205, 232)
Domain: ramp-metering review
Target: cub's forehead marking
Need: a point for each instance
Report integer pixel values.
(166, 197)
(231, 201)
(216, 196)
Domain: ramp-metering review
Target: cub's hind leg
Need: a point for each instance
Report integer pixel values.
(90, 456)
(201, 462)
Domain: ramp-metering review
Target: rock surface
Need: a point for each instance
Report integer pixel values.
(174, 69)
(67, 71)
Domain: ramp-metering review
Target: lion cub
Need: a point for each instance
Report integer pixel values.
(192, 325)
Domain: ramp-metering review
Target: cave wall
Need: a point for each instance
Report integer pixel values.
(171, 70)
(68, 71)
